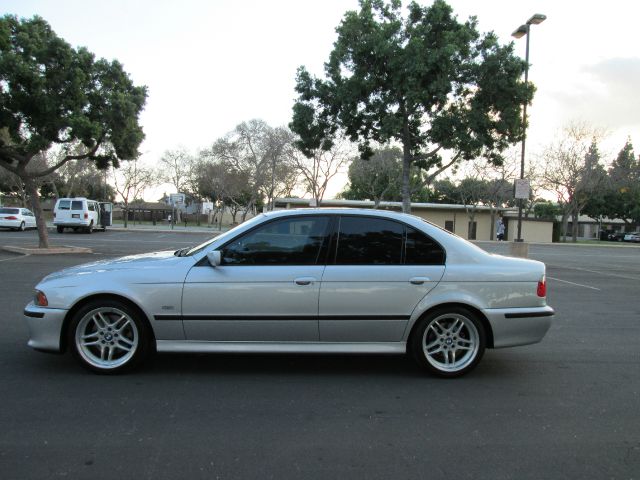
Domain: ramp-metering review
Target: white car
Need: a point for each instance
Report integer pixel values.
(17, 218)
(299, 281)
(632, 237)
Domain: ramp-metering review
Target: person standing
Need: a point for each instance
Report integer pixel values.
(500, 230)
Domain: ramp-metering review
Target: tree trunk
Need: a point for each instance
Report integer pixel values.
(565, 226)
(406, 170)
(32, 191)
(126, 216)
(492, 230)
(574, 227)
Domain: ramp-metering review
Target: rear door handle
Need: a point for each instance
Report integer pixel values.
(418, 280)
(305, 281)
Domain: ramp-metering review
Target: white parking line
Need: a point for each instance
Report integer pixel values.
(573, 283)
(607, 274)
(14, 258)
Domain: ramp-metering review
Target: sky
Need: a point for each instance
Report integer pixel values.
(210, 65)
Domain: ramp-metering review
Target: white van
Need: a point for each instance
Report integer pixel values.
(81, 213)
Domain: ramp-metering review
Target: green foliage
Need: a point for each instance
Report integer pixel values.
(547, 210)
(622, 198)
(427, 81)
(52, 94)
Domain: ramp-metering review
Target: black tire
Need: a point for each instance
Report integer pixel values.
(60, 229)
(109, 337)
(448, 342)
(90, 228)
(22, 227)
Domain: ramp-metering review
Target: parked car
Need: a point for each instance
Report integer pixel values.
(17, 218)
(632, 237)
(81, 213)
(298, 281)
(616, 236)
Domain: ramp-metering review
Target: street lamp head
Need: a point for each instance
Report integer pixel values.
(537, 19)
(520, 32)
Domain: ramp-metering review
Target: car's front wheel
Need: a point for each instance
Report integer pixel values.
(109, 337)
(448, 342)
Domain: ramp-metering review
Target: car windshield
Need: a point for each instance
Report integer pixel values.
(187, 252)
(9, 210)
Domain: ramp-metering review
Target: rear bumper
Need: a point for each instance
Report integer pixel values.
(76, 222)
(45, 327)
(10, 223)
(519, 326)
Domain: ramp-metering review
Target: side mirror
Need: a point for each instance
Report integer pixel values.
(215, 258)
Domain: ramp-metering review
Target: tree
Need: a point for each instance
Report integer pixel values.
(176, 169)
(622, 198)
(377, 178)
(317, 170)
(260, 153)
(436, 86)
(573, 170)
(130, 182)
(52, 95)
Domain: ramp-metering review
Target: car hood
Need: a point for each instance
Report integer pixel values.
(143, 261)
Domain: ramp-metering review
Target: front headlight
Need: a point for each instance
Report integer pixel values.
(40, 299)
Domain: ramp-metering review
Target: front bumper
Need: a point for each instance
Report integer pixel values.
(519, 326)
(45, 327)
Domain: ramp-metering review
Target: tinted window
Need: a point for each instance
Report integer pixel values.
(76, 205)
(422, 250)
(64, 205)
(369, 241)
(91, 207)
(9, 210)
(293, 241)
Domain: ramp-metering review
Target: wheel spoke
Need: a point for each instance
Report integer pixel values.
(100, 321)
(89, 344)
(117, 322)
(437, 349)
(124, 346)
(460, 326)
(90, 335)
(111, 350)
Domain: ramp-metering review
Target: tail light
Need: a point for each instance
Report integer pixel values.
(86, 215)
(542, 287)
(12, 217)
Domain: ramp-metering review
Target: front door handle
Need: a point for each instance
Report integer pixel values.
(418, 280)
(305, 281)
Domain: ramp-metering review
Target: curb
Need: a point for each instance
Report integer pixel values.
(46, 251)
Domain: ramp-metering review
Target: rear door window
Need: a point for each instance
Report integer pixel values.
(369, 241)
(76, 205)
(64, 205)
(421, 249)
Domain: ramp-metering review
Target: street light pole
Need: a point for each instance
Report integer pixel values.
(521, 31)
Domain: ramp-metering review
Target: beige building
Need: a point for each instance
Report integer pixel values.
(455, 218)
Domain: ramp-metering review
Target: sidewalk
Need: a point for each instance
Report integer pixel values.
(161, 227)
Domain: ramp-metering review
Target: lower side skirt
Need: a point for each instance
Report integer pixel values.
(186, 346)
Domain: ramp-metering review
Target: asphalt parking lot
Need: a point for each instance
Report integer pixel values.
(568, 407)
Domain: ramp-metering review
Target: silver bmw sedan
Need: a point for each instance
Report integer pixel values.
(298, 281)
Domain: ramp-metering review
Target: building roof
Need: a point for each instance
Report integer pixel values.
(305, 202)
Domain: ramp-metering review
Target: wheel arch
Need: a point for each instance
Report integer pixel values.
(102, 296)
(444, 306)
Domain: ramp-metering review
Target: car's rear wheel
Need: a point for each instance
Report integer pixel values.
(90, 227)
(448, 342)
(60, 229)
(109, 337)
(22, 227)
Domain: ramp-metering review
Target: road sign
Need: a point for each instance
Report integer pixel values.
(522, 188)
